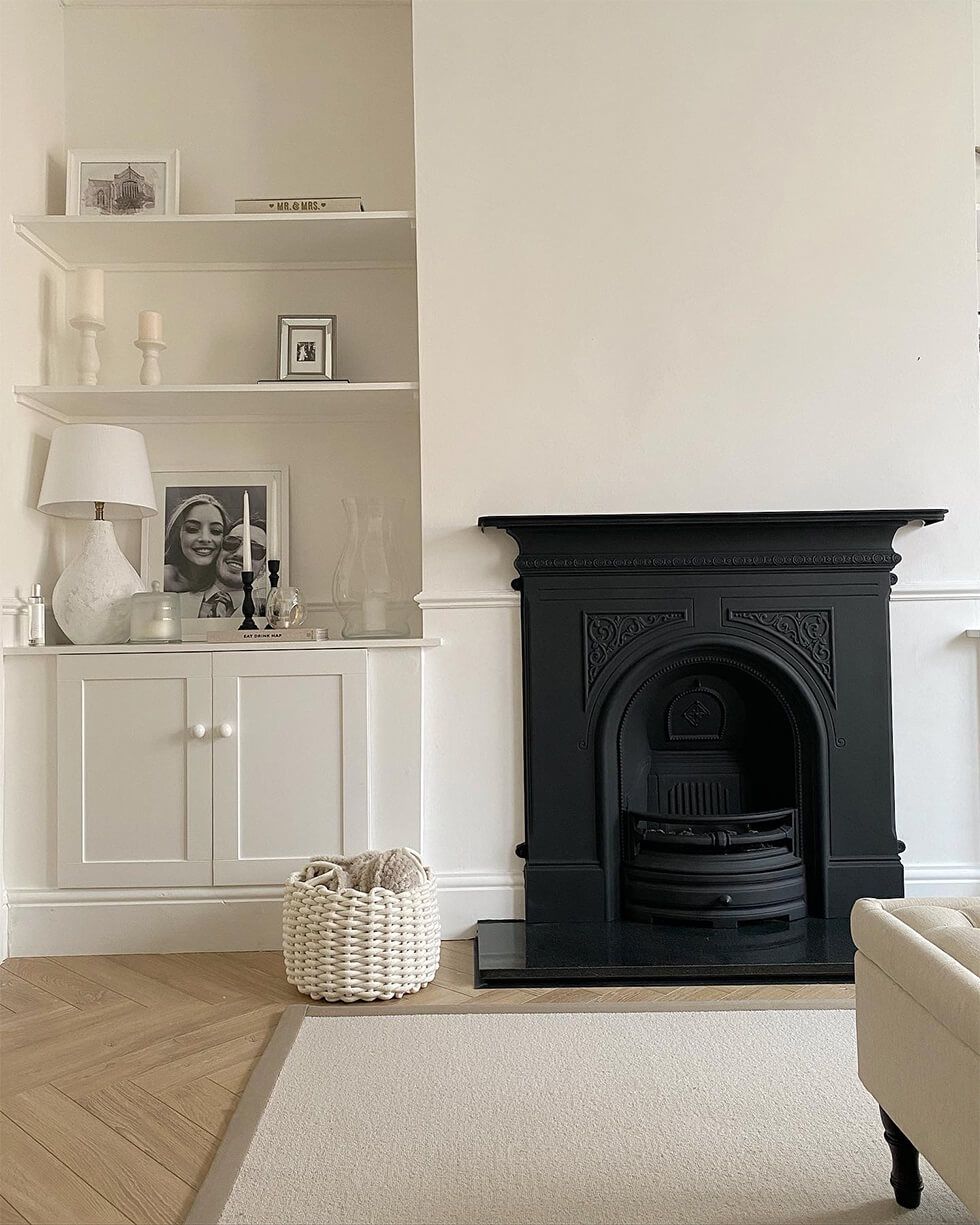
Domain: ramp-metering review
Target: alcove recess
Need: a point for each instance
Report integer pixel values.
(221, 280)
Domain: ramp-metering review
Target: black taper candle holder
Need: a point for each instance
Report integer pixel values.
(248, 604)
(273, 568)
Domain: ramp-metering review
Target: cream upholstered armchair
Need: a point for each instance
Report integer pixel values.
(917, 976)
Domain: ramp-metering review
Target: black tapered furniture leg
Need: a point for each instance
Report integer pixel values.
(905, 1179)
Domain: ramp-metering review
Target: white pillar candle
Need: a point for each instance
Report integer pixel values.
(150, 325)
(246, 536)
(274, 522)
(91, 294)
(158, 631)
(374, 614)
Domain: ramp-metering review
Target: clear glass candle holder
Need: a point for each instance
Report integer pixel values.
(285, 608)
(368, 587)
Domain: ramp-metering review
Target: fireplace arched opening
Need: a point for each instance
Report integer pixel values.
(712, 789)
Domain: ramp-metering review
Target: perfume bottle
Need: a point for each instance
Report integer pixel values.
(35, 617)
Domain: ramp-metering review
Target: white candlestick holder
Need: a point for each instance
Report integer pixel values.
(150, 370)
(88, 349)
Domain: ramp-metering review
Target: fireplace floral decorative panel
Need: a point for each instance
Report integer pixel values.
(607, 634)
(811, 631)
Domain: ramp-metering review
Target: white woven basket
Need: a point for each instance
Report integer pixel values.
(347, 945)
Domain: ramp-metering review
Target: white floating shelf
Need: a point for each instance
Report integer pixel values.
(225, 241)
(273, 402)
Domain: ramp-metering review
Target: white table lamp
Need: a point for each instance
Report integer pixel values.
(97, 472)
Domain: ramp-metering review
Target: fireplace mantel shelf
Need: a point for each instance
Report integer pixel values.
(749, 542)
(721, 518)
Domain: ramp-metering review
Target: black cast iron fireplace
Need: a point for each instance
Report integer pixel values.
(707, 717)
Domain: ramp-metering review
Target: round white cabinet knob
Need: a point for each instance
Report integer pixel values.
(225, 730)
(198, 731)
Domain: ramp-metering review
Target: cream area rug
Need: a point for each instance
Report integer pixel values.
(580, 1117)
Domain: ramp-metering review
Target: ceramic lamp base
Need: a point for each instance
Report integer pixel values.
(91, 599)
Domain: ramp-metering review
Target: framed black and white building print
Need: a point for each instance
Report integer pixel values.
(307, 346)
(194, 546)
(122, 183)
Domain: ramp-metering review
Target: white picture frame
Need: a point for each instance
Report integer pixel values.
(158, 169)
(160, 539)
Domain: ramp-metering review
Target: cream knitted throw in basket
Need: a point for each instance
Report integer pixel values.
(344, 943)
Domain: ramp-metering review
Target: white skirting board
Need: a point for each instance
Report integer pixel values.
(50, 925)
(67, 922)
(942, 880)
(465, 897)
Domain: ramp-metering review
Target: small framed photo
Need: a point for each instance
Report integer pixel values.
(194, 546)
(122, 183)
(307, 346)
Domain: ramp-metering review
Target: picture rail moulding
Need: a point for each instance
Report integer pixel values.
(225, 241)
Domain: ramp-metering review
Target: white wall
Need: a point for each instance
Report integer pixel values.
(31, 136)
(32, 122)
(679, 257)
(673, 256)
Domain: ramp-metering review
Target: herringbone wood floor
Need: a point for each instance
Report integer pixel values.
(119, 1074)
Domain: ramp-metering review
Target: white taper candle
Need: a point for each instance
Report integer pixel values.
(274, 521)
(246, 536)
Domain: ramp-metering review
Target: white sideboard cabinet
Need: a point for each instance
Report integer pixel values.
(200, 768)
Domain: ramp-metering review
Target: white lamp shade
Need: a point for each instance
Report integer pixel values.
(97, 463)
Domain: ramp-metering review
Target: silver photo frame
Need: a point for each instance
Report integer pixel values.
(307, 347)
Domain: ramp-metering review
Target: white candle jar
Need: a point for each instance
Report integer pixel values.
(154, 617)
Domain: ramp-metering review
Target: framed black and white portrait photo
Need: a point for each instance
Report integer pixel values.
(122, 183)
(195, 545)
(307, 346)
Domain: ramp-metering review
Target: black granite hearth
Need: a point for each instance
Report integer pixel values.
(511, 953)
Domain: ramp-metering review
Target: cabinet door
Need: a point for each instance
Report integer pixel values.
(290, 761)
(134, 770)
